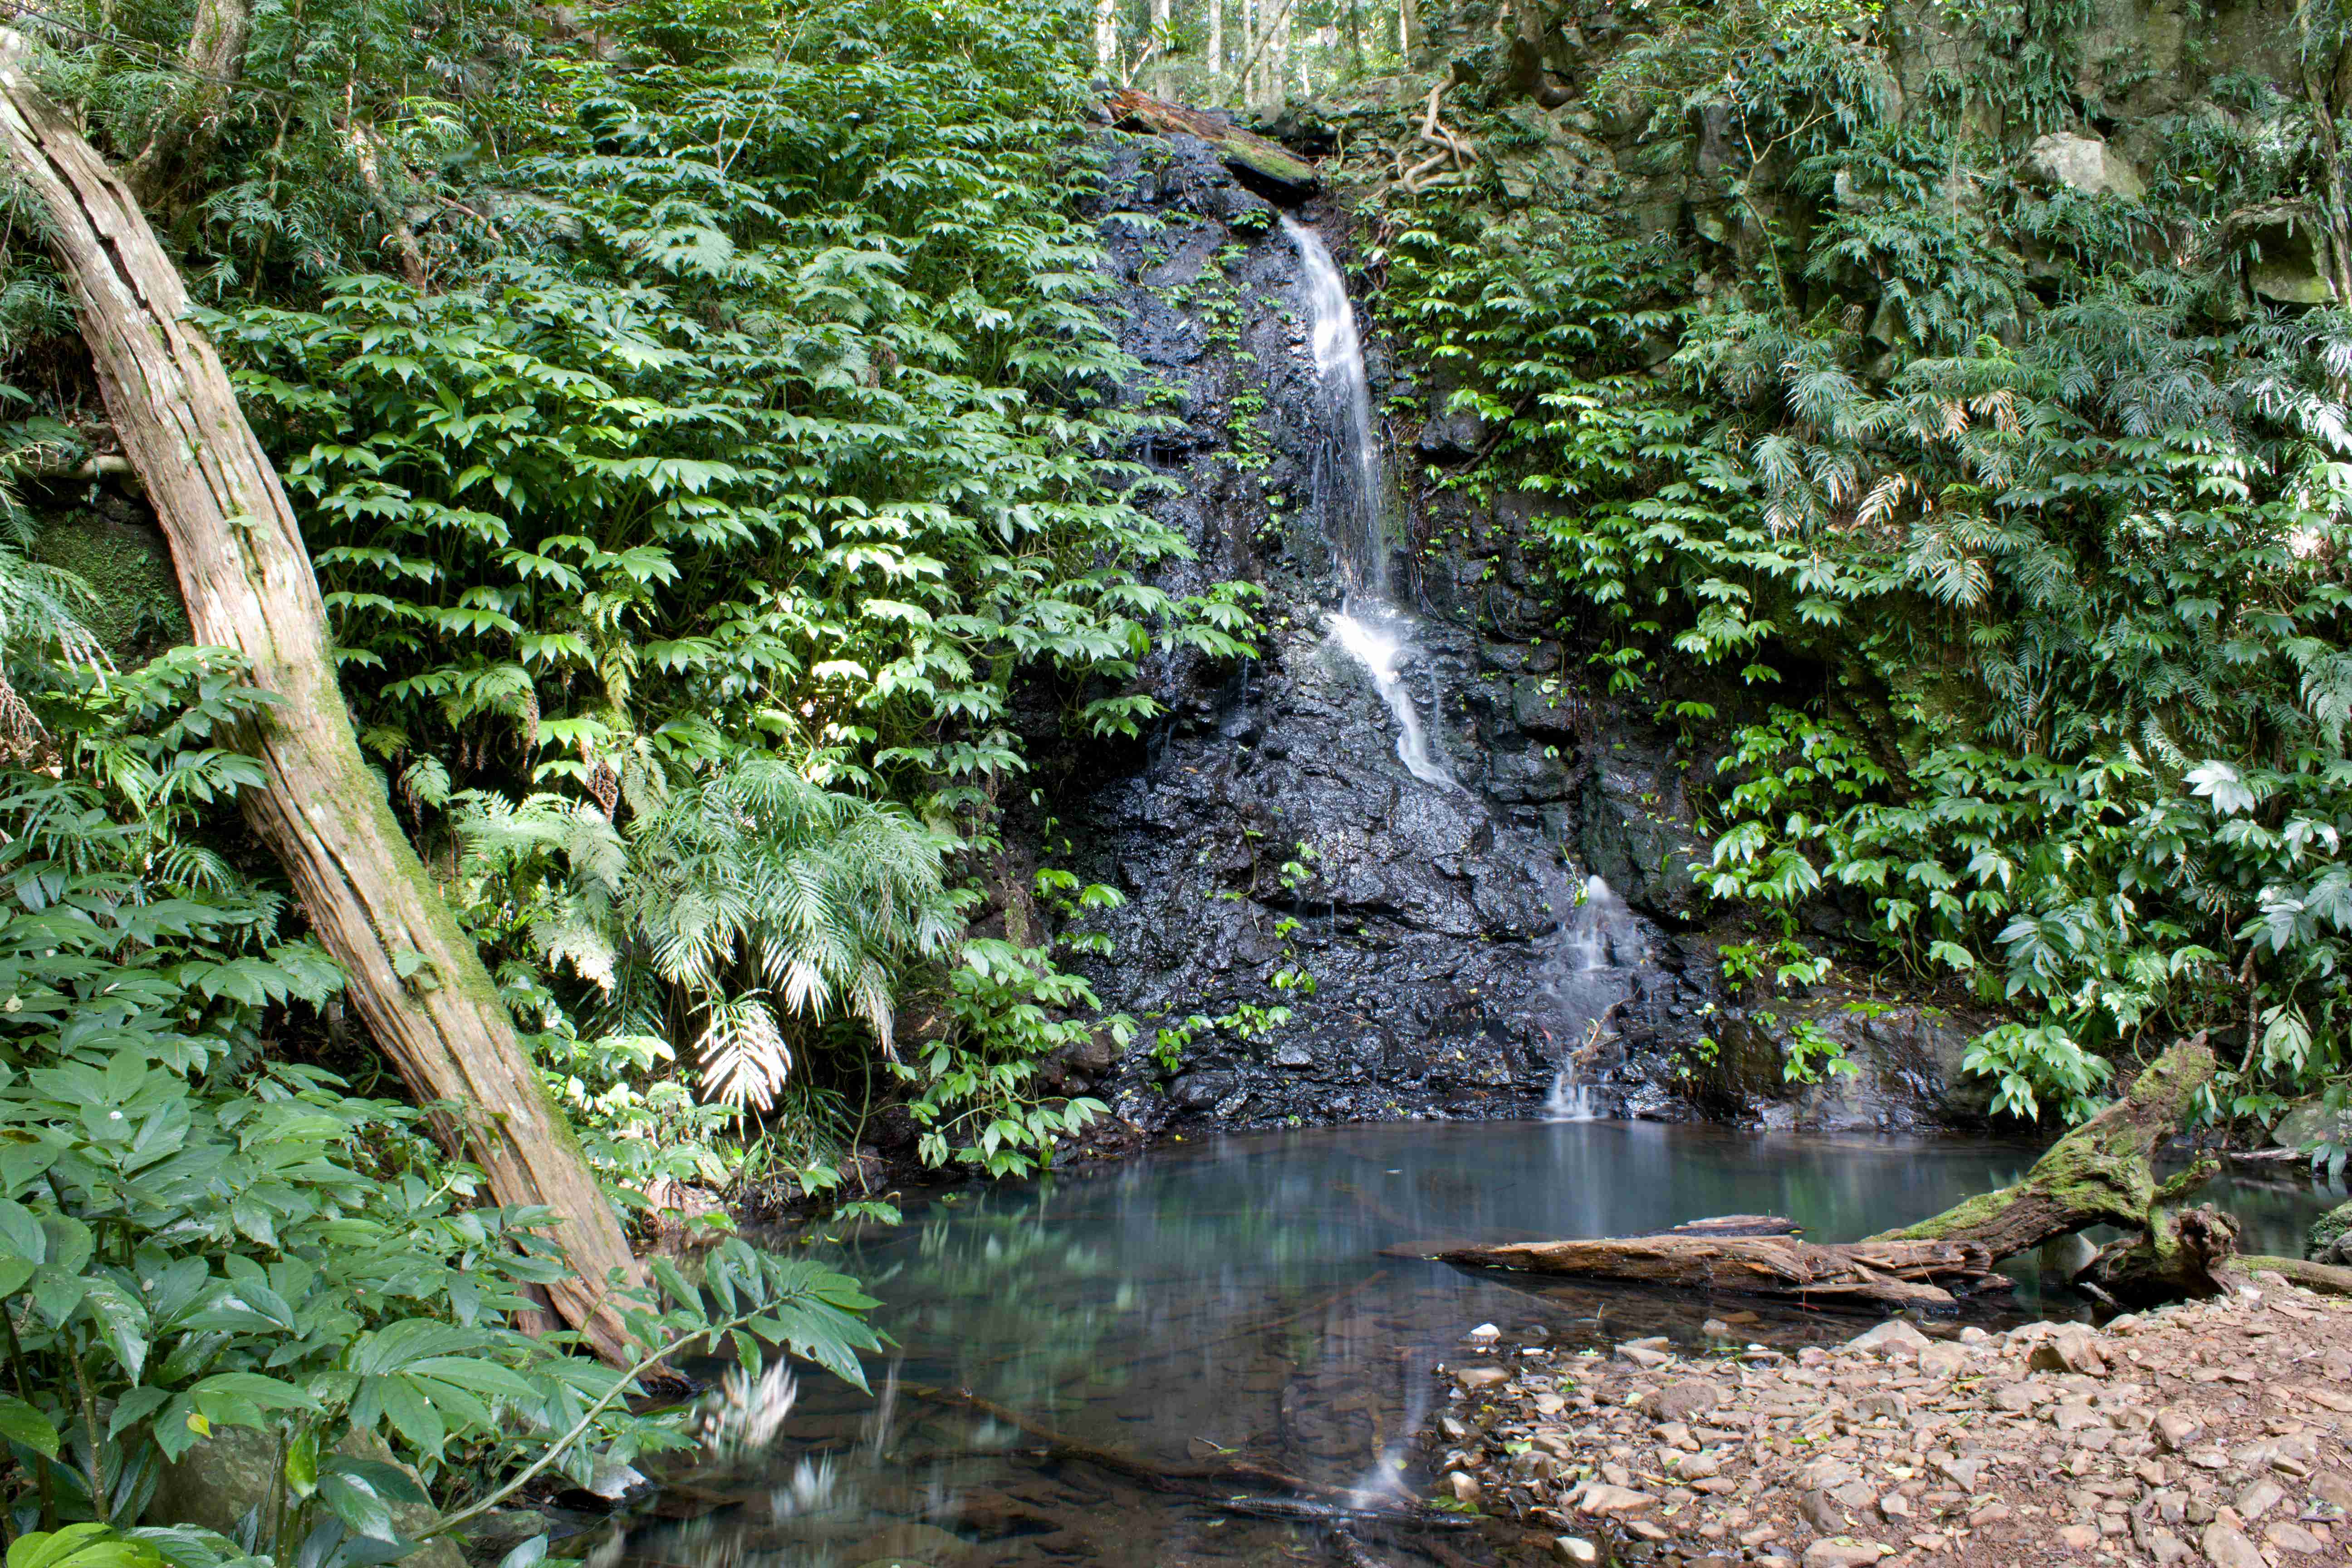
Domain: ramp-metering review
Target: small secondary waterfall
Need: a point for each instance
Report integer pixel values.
(1599, 949)
(1367, 626)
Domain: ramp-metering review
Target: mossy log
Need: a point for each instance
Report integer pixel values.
(1290, 177)
(2102, 1172)
(1872, 1275)
(2328, 1280)
(2179, 1253)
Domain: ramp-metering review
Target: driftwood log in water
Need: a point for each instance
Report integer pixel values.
(2103, 1173)
(1873, 1274)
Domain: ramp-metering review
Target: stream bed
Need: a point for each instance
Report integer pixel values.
(1235, 1292)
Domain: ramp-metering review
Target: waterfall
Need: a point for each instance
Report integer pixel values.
(1599, 948)
(1367, 627)
(1348, 477)
(1378, 640)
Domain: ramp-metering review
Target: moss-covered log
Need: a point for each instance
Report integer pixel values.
(2103, 1173)
(1272, 164)
(2180, 1253)
(2328, 1280)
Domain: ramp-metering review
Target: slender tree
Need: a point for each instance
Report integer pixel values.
(1107, 36)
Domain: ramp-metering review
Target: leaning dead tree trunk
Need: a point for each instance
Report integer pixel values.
(416, 977)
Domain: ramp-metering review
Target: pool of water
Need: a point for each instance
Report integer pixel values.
(1234, 1293)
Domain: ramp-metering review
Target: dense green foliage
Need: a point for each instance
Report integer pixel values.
(1993, 550)
(706, 443)
(689, 534)
(199, 1234)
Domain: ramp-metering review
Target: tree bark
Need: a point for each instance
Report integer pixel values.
(213, 63)
(1105, 35)
(414, 975)
(1873, 1274)
(367, 156)
(2100, 1174)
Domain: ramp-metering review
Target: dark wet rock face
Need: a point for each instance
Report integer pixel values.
(1274, 850)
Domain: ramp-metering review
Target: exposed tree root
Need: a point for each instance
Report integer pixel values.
(1454, 154)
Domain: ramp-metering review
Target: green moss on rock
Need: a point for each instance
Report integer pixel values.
(137, 614)
(2328, 1229)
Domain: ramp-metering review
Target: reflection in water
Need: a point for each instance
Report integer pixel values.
(1235, 1295)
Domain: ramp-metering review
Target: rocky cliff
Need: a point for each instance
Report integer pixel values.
(1312, 934)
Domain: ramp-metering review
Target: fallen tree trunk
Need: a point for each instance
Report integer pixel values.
(2327, 1278)
(1872, 1275)
(1290, 176)
(245, 575)
(2100, 1174)
(2103, 1173)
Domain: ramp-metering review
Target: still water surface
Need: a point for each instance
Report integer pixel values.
(1235, 1292)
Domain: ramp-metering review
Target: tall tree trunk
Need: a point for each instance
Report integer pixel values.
(1408, 29)
(2339, 219)
(1161, 22)
(367, 156)
(242, 569)
(1246, 80)
(210, 68)
(1216, 48)
(1107, 36)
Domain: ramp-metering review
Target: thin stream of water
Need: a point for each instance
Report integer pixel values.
(1601, 947)
(1369, 627)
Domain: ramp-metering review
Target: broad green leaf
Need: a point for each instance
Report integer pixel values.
(20, 1422)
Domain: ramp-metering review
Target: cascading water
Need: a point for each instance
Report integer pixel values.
(1600, 948)
(1348, 477)
(1378, 640)
(1367, 626)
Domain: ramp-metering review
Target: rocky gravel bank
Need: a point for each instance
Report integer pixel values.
(2204, 1432)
